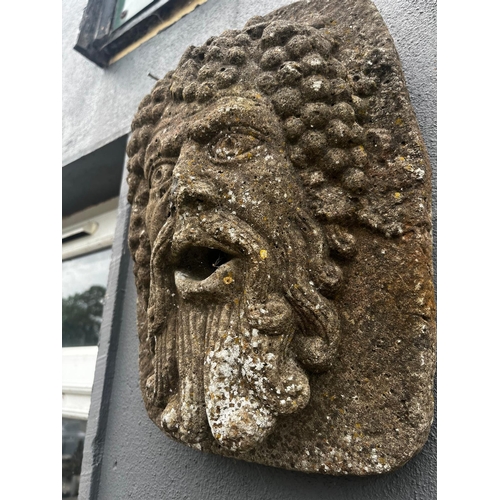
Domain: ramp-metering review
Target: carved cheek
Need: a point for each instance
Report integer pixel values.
(157, 214)
(269, 192)
(150, 220)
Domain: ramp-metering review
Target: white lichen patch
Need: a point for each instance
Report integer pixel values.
(419, 173)
(237, 418)
(315, 62)
(316, 85)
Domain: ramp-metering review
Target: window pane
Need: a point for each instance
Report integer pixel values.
(127, 9)
(73, 435)
(84, 286)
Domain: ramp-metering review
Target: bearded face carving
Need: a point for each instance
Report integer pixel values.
(264, 194)
(227, 229)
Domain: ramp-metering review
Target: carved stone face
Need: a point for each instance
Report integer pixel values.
(224, 217)
(280, 231)
(222, 162)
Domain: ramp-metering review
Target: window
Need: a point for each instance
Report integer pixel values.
(111, 28)
(84, 286)
(86, 251)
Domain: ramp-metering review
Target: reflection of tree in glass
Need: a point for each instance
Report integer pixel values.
(81, 317)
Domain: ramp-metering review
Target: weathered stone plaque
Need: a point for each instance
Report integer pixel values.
(281, 234)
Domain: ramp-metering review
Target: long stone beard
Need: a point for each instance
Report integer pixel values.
(222, 362)
(233, 380)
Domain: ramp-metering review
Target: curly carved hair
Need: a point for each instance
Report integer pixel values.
(322, 106)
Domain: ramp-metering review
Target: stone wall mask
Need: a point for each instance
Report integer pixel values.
(280, 232)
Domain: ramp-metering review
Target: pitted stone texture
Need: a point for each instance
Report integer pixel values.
(281, 238)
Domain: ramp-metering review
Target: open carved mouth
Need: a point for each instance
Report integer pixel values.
(198, 263)
(210, 257)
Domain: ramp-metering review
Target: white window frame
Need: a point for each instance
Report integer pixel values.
(97, 225)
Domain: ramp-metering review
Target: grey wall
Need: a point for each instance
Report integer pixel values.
(126, 455)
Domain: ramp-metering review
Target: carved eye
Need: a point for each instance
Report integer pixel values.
(160, 174)
(229, 146)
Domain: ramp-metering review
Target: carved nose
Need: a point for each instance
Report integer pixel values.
(194, 193)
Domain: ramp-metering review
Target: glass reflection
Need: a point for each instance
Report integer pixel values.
(84, 286)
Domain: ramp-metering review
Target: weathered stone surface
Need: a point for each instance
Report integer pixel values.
(281, 237)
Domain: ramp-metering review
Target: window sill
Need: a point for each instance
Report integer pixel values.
(104, 46)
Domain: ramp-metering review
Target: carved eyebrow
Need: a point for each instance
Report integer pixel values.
(226, 116)
(161, 149)
(166, 143)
